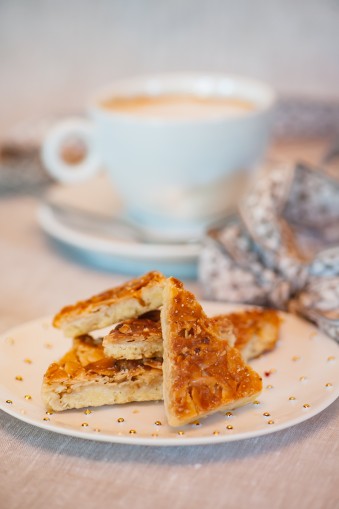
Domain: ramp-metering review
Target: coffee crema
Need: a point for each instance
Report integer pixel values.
(178, 106)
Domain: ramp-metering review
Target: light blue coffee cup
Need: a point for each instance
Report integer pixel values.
(174, 172)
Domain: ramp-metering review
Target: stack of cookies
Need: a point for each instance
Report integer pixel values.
(162, 346)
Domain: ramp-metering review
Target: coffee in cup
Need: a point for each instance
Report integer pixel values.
(176, 107)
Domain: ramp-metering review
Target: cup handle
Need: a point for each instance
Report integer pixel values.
(77, 129)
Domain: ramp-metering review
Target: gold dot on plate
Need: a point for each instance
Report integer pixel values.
(155, 435)
(229, 426)
(157, 423)
(84, 424)
(120, 419)
(302, 379)
(28, 396)
(328, 384)
(19, 378)
(295, 358)
(331, 358)
(196, 423)
(11, 341)
(291, 398)
(45, 419)
(266, 414)
(132, 432)
(97, 430)
(87, 411)
(181, 432)
(269, 386)
(228, 414)
(270, 422)
(306, 405)
(28, 361)
(256, 402)
(49, 413)
(9, 402)
(216, 432)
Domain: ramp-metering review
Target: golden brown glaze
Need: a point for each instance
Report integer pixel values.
(202, 372)
(131, 289)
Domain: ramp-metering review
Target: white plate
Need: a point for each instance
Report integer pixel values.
(112, 253)
(304, 366)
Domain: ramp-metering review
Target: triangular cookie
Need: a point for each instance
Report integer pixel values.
(202, 373)
(85, 377)
(120, 303)
(256, 330)
(137, 338)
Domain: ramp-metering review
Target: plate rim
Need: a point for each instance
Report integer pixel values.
(158, 441)
(169, 442)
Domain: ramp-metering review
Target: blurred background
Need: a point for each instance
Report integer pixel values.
(54, 54)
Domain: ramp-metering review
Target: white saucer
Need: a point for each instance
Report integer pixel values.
(108, 252)
(300, 379)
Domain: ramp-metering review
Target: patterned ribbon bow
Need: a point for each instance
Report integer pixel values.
(271, 252)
